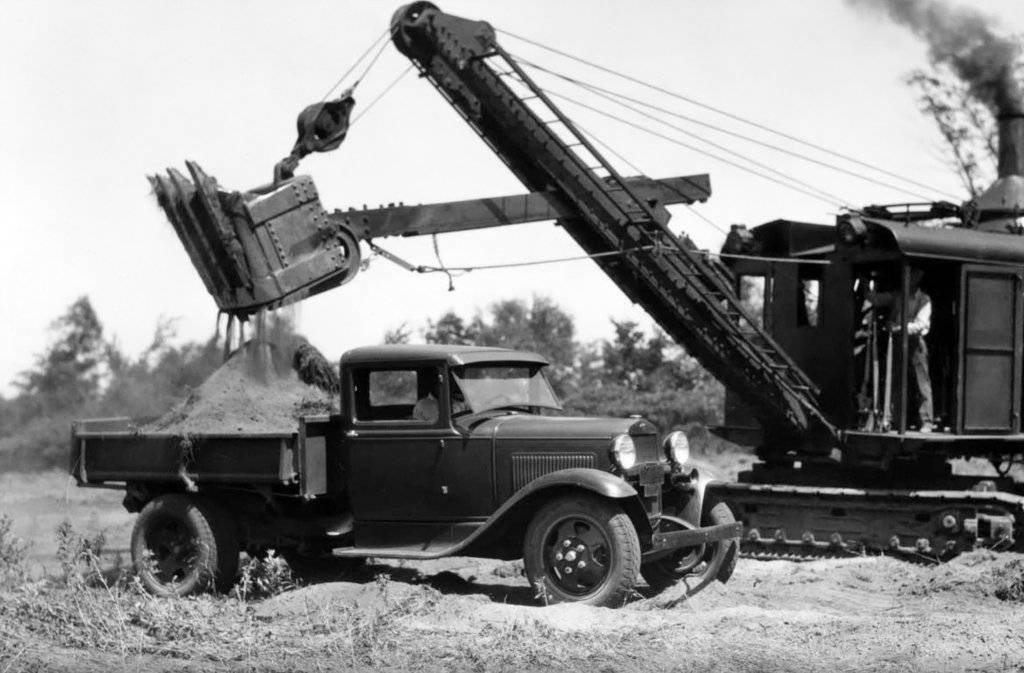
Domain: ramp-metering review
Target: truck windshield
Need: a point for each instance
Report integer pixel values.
(492, 386)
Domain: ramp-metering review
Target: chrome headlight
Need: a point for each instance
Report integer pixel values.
(677, 447)
(624, 451)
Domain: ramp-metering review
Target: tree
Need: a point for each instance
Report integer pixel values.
(636, 374)
(631, 373)
(69, 372)
(82, 374)
(450, 329)
(965, 123)
(541, 326)
(398, 335)
(160, 376)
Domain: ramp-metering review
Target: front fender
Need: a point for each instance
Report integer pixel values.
(587, 478)
(597, 482)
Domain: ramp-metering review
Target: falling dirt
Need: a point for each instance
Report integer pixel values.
(255, 391)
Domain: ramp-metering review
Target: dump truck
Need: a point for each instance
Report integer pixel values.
(437, 451)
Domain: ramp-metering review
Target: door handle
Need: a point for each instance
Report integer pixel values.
(440, 447)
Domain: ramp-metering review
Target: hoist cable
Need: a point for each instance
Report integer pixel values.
(634, 167)
(832, 197)
(730, 115)
(355, 64)
(608, 94)
(712, 155)
(707, 219)
(369, 66)
(373, 102)
(822, 196)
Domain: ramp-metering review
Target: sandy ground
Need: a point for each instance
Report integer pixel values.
(865, 613)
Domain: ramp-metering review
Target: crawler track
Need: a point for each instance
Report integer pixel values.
(806, 522)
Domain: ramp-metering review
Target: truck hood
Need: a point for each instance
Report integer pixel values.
(565, 427)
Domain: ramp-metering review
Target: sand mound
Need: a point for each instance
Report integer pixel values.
(254, 391)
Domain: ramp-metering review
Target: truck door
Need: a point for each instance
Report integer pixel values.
(397, 444)
(990, 353)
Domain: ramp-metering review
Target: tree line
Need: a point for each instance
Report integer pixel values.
(83, 372)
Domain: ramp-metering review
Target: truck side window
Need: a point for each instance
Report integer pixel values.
(392, 387)
(396, 394)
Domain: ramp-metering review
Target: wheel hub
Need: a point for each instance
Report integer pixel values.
(578, 556)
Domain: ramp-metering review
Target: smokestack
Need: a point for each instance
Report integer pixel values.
(1011, 144)
(1000, 206)
(1009, 103)
(967, 41)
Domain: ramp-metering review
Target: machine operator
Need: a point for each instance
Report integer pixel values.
(919, 316)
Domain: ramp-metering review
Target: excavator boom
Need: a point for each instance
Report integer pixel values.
(688, 293)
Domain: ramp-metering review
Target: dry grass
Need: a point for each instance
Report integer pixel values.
(103, 609)
(89, 613)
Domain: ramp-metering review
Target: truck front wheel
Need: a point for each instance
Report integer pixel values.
(183, 544)
(584, 549)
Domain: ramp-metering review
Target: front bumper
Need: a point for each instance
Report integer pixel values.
(694, 537)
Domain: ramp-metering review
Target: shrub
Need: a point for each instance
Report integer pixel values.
(13, 551)
(1009, 581)
(79, 555)
(263, 577)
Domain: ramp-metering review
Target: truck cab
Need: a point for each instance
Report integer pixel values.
(438, 450)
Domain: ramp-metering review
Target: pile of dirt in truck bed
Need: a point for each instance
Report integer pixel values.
(256, 390)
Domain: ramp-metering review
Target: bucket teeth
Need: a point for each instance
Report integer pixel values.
(172, 202)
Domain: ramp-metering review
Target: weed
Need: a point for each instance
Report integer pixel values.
(79, 555)
(1009, 581)
(13, 552)
(540, 585)
(263, 577)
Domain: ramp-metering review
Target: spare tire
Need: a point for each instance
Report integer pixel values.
(184, 544)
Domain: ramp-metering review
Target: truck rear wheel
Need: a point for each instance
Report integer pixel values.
(183, 545)
(582, 549)
(688, 563)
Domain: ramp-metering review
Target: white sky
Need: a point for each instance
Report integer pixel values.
(99, 94)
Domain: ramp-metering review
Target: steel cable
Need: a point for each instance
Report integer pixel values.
(373, 102)
(823, 196)
(834, 198)
(634, 167)
(712, 155)
(426, 268)
(738, 118)
(359, 60)
(612, 95)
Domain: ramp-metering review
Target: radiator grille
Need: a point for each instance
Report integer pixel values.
(528, 466)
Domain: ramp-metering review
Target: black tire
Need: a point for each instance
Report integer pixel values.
(184, 544)
(583, 549)
(667, 571)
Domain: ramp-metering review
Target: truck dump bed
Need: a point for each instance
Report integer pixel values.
(114, 450)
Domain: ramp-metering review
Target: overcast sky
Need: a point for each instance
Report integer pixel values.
(98, 94)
